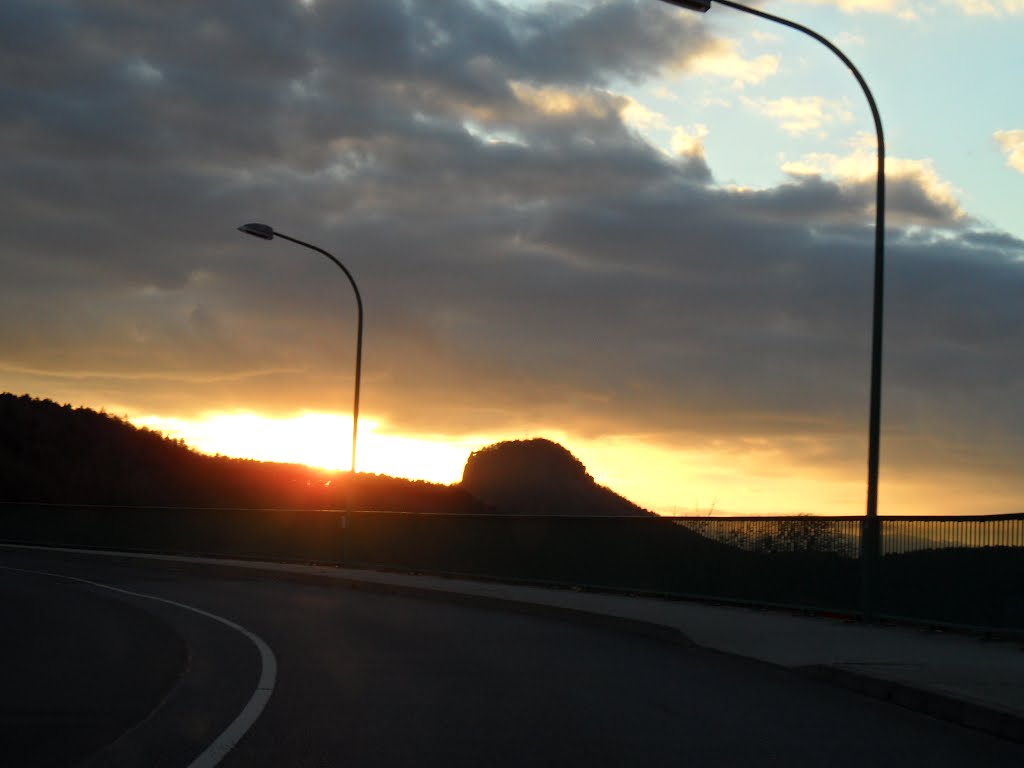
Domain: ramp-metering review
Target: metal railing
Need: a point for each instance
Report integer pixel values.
(914, 534)
(841, 535)
(963, 571)
(825, 535)
(966, 571)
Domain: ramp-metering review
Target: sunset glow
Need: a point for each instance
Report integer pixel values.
(657, 253)
(700, 482)
(318, 440)
(749, 477)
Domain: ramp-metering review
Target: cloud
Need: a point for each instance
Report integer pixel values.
(689, 141)
(988, 7)
(799, 115)
(723, 59)
(636, 114)
(1012, 143)
(558, 102)
(909, 10)
(915, 193)
(526, 258)
(903, 9)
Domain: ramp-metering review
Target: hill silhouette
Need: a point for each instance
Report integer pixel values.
(61, 454)
(540, 477)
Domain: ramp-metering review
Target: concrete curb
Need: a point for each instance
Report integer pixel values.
(968, 714)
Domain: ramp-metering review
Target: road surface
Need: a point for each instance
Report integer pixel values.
(100, 677)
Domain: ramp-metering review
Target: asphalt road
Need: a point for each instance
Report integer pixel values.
(365, 679)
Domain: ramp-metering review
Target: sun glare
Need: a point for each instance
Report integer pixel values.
(318, 440)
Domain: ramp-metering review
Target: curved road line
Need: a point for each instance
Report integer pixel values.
(231, 735)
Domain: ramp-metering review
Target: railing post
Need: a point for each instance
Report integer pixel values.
(870, 541)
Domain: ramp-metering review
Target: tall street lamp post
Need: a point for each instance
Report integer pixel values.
(267, 233)
(870, 538)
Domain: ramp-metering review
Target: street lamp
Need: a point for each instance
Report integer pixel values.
(266, 232)
(870, 534)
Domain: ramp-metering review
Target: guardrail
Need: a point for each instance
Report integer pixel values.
(915, 534)
(965, 571)
(804, 533)
(842, 535)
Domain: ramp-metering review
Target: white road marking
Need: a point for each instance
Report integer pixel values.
(231, 735)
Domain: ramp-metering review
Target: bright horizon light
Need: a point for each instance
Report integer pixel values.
(745, 477)
(713, 480)
(321, 440)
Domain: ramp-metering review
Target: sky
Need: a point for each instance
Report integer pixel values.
(640, 231)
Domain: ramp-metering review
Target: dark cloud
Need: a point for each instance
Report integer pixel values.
(525, 257)
(910, 198)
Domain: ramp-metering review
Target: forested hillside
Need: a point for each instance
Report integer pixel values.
(63, 454)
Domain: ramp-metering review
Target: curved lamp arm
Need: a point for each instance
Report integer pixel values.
(870, 541)
(267, 232)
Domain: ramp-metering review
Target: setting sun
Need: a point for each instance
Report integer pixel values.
(319, 440)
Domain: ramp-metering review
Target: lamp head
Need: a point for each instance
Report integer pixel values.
(263, 231)
(702, 6)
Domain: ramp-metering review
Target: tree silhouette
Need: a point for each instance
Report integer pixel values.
(62, 454)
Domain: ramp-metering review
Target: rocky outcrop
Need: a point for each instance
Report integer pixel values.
(539, 477)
